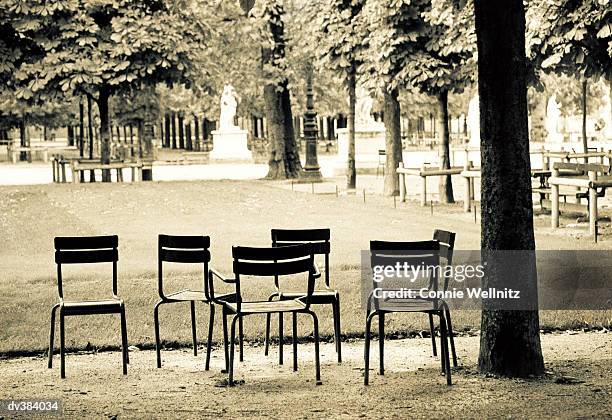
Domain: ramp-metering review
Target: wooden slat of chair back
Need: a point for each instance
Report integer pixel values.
(184, 242)
(447, 244)
(187, 256)
(283, 268)
(300, 235)
(318, 248)
(272, 254)
(91, 256)
(86, 242)
(433, 245)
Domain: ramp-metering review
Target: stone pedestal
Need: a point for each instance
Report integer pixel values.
(230, 144)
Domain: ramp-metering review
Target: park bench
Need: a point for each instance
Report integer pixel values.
(593, 177)
(78, 167)
(58, 166)
(13, 152)
(423, 173)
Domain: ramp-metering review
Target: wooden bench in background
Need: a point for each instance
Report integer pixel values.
(14, 151)
(79, 167)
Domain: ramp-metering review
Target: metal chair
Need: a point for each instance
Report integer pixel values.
(86, 250)
(447, 244)
(319, 238)
(412, 255)
(269, 262)
(185, 250)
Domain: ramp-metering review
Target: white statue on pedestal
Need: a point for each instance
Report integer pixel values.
(229, 141)
(552, 121)
(473, 121)
(364, 121)
(229, 103)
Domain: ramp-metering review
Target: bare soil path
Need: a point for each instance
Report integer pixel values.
(578, 384)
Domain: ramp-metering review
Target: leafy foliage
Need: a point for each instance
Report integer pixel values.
(571, 36)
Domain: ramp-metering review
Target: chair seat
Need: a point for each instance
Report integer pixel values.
(196, 295)
(318, 297)
(86, 307)
(267, 306)
(407, 305)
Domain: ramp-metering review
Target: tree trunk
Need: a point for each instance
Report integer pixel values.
(189, 144)
(585, 143)
(173, 126)
(105, 134)
(510, 340)
(196, 132)
(23, 139)
(70, 134)
(81, 128)
(181, 131)
(167, 130)
(283, 158)
(132, 152)
(393, 143)
(351, 171)
(445, 186)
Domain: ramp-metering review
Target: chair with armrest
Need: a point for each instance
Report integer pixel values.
(320, 240)
(267, 263)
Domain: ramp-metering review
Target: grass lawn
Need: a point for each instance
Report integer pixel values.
(232, 213)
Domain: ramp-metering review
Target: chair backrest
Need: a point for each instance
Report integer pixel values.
(407, 254)
(447, 245)
(318, 238)
(183, 250)
(274, 262)
(85, 250)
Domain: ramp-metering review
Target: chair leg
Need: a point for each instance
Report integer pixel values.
(225, 340)
(62, 346)
(381, 343)
(241, 339)
(268, 321)
(280, 338)
(194, 335)
(211, 323)
(445, 350)
(449, 326)
(52, 335)
(366, 375)
(267, 344)
(294, 342)
(432, 331)
(315, 322)
(124, 341)
(157, 341)
(231, 355)
(337, 330)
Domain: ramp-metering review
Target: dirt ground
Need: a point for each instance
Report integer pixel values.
(578, 383)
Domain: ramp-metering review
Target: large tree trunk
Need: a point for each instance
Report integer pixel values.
(105, 133)
(585, 143)
(510, 340)
(283, 158)
(445, 186)
(393, 143)
(351, 170)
